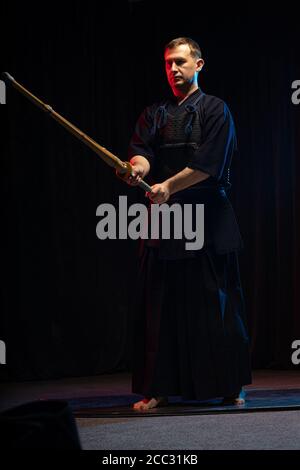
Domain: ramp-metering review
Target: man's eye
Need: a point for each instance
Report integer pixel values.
(177, 62)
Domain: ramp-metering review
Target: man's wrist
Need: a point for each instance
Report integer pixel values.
(168, 184)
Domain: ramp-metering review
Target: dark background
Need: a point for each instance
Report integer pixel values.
(66, 297)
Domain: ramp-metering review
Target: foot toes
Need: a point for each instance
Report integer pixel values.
(149, 403)
(238, 399)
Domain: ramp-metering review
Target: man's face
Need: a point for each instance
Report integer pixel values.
(181, 67)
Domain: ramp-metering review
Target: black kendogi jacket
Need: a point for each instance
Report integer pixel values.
(197, 134)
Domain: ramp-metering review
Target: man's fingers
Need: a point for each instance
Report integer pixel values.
(154, 197)
(134, 179)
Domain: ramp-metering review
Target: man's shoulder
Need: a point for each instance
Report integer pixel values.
(214, 105)
(157, 104)
(151, 108)
(212, 100)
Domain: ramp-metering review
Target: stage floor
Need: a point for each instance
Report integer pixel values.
(109, 396)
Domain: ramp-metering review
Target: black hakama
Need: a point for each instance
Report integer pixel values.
(190, 329)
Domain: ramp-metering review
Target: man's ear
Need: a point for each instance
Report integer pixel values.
(200, 64)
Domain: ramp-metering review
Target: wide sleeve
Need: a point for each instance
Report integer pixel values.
(218, 140)
(141, 142)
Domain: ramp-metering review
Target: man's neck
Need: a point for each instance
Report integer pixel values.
(181, 95)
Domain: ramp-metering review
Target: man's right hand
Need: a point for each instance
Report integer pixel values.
(137, 174)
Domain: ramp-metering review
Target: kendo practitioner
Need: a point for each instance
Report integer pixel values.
(190, 335)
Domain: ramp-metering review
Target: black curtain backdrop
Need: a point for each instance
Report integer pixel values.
(66, 296)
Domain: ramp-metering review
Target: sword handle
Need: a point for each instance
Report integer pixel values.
(126, 169)
(145, 186)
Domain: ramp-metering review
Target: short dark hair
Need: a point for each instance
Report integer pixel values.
(193, 45)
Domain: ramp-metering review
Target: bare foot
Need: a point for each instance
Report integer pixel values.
(149, 403)
(238, 399)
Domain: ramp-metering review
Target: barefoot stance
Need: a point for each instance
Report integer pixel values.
(238, 399)
(149, 403)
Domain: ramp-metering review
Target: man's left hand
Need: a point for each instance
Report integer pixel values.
(160, 193)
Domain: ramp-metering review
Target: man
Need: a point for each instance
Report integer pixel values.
(190, 337)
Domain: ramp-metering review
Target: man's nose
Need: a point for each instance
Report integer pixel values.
(174, 67)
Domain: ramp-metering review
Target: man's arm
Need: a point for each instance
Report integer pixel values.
(162, 191)
(183, 179)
